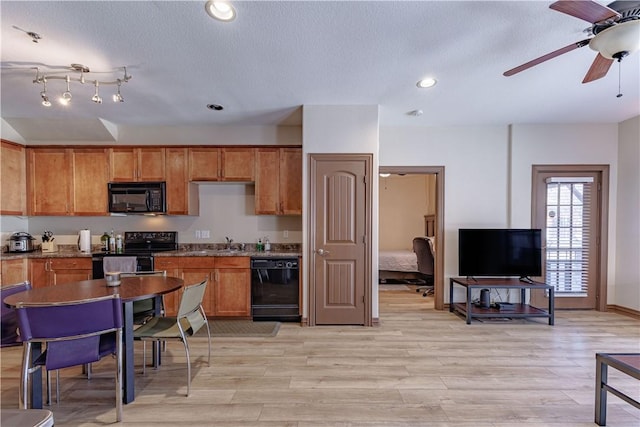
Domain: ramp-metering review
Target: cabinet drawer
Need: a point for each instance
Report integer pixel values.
(232, 262)
(166, 263)
(70, 263)
(197, 262)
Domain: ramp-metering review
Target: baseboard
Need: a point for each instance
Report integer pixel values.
(375, 321)
(625, 311)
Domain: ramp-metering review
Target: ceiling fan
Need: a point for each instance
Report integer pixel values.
(615, 29)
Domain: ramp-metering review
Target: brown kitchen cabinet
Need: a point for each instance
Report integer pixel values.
(221, 164)
(55, 271)
(64, 181)
(278, 181)
(13, 271)
(130, 164)
(228, 290)
(12, 179)
(49, 181)
(90, 169)
(182, 195)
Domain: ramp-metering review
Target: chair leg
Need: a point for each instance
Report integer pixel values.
(57, 386)
(144, 357)
(186, 350)
(26, 357)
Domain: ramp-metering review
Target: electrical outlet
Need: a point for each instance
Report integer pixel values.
(205, 234)
(198, 234)
(285, 234)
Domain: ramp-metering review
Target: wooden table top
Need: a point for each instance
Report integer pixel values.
(130, 289)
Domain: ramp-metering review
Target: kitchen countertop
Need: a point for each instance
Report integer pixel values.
(178, 253)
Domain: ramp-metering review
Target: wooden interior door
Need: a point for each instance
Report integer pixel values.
(340, 280)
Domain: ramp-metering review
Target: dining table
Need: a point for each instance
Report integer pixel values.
(131, 289)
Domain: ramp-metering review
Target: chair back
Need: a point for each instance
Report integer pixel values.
(424, 255)
(191, 305)
(8, 319)
(72, 330)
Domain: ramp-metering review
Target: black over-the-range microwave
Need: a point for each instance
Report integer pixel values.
(137, 197)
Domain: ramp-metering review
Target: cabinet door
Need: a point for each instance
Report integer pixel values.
(151, 164)
(39, 272)
(90, 179)
(204, 164)
(176, 168)
(13, 178)
(291, 181)
(238, 164)
(49, 181)
(267, 177)
(65, 270)
(13, 271)
(123, 164)
(232, 292)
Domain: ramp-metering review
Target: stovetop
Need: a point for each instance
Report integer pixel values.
(146, 242)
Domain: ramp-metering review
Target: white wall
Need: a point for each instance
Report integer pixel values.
(339, 129)
(626, 292)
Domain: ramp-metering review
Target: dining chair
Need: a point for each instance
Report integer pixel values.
(9, 335)
(190, 319)
(143, 310)
(75, 333)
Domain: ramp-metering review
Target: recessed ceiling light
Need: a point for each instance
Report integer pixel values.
(426, 83)
(220, 10)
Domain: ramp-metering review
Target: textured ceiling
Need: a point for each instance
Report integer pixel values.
(277, 56)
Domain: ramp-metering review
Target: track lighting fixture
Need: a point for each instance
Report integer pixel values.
(65, 98)
(116, 96)
(96, 97)
(43, 94)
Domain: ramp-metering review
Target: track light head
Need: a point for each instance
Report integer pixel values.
(45, 99)
(117, 97)
(96, 97)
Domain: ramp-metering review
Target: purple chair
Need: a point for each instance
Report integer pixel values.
(75, 333)
(8, 319)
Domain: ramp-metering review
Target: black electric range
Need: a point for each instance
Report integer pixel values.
(141, 244)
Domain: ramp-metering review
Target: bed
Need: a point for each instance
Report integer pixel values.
(414, 267)
(410, 266)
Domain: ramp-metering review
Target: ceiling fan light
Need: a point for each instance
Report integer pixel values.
(220, 10)
(618, 38)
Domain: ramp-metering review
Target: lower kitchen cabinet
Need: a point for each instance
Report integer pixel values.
(13, 271)
(228, 292)
(55, 271)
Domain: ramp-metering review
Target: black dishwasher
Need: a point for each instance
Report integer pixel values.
(275, 289)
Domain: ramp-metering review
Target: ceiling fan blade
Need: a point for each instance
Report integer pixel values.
(598, 69)
(584, 9)
(546, 57)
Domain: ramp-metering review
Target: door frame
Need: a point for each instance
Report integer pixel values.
(602, 230)
(438, 276)
(368, 285)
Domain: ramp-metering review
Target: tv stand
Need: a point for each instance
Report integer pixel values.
(515, 310)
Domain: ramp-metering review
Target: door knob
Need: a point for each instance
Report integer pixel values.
(322, 252)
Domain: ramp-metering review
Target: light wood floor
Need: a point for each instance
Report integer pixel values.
(420, 367)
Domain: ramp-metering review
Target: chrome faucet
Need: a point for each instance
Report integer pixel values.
(229, 242)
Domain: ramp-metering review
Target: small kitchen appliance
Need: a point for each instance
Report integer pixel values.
(21, 242)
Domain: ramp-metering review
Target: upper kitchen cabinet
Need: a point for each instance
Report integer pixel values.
(279, 181)
(221, 164)
(12, 179)
(182, 195)
(90, 168)
(137, 164)
(49, 181)
(64, 181)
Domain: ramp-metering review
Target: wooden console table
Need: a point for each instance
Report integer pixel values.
(628, 363)
(514, 310)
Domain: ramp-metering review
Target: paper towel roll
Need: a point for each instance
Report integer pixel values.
(85, 241)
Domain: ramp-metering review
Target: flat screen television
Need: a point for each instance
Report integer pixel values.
(499, 252)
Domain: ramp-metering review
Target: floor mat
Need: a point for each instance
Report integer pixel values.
(240, 328)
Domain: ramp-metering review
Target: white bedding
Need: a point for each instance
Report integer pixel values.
(398, 261)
